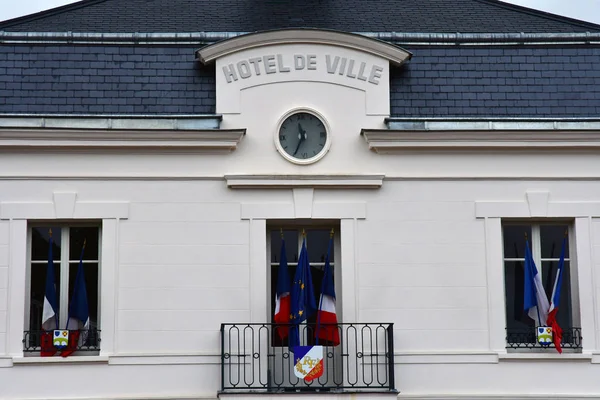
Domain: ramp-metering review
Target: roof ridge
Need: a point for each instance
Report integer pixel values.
(540, 13)
(87, 16)
(48, 12)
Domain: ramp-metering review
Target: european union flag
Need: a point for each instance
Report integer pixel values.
(303, 297)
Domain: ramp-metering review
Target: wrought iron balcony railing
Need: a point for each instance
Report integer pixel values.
(255, 358)
(80, 341)
(527, 339)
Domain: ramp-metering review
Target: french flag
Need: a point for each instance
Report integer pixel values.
(78, 322)
(50, 310)
(535, 301)
(327, 328)
(552, 322)
(282, 295)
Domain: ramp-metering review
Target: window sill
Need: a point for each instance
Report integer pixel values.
(60, 360)
(544, 356)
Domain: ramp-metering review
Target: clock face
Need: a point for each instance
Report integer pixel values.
(303, 136)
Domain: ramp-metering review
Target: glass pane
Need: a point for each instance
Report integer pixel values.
(317, 242)
(549, 270)
(76, 237)
(552, 239)
(291, 245)
(514, 240)
(38, 291)
(39, 243)
(90, 273)
(516, 317)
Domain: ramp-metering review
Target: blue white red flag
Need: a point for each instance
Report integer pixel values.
(282, 295)
(327, 328)
(303, 297)
(535, 301)
(50, 309)
(552, 322)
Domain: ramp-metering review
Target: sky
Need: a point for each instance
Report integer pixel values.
(586, 10)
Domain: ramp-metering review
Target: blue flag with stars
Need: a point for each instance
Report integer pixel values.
(303, 297)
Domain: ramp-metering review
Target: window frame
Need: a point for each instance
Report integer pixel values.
(535, 240)
(336, 265)
(64, 263)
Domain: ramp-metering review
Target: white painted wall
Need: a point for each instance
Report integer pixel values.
(4, 251)
(184, 258)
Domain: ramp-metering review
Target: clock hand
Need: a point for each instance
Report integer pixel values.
(298, 147)
(301, 137)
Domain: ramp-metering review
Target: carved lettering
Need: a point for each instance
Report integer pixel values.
(269, 63)
(244, 69)
(375, 74)
(299, 61)
(361, 72)
(343, 66)
(229, 72)
(254, 61)
(349, 74)
(331, 67)
(281, 63)
(312, 62)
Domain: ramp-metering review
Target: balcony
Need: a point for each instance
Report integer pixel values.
(526, 338)
(254, 358)
(88, 343)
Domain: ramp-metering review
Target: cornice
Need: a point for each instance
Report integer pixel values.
(390, 141)
(353, 41)
(367, 181)
(213, 140)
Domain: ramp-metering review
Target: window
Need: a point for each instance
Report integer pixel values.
(545, 243)
(66, 251)
(317, 242)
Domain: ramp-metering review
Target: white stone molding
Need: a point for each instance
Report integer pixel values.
(495, 285)
(108, 284)
(303, 206)
(209, 140)
(537, 204)
(16, 282)
(303, 202)
(390, 141)
(362, 43)
(367, 181)
(349, 275)
(586, 283)
(64, 206)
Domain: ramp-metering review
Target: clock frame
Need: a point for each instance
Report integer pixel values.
(283, 136)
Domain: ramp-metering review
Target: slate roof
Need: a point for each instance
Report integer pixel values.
(438, 81)
(423, 16)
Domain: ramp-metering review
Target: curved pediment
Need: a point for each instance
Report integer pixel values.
(392, 53)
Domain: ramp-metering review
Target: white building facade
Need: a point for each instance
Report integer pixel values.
(182, 218)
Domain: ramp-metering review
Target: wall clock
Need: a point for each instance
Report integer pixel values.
(302, 136)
